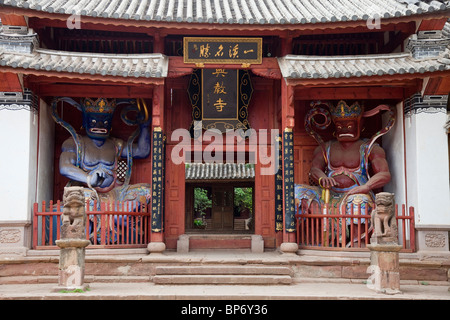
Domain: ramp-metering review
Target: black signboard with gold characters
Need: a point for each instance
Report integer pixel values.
(220, 99)
(288, 146)
(222, 50)
(279, 188)
(157, 180)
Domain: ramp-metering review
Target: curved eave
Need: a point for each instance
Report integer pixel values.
(308, 70)
(224, 26)
(147, 69)
(74, 76)
(355, 81)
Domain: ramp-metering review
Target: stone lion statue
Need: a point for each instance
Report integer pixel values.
(74, 215)
(383, 216)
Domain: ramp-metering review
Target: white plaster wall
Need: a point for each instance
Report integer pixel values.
(393, 144)
(17, 164)
(427, 168)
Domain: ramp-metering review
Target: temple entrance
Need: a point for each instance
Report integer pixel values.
(220, 207)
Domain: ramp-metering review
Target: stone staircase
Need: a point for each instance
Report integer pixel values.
(216, 267)
(220, 274)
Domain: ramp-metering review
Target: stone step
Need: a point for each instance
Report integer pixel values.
(88, 279)
(222, 279)
(223, 274)
(188, 242)
(222, 270)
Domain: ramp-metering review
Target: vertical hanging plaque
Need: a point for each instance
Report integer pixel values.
(279, 188)
(157, 180)
(288, 148)
(220, 99)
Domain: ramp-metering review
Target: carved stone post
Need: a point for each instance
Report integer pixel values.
(73, 241)
(384, 247)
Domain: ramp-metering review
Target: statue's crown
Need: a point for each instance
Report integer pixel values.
(343, 111)
(100, 105)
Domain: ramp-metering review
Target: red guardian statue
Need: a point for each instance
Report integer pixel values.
(341, 168)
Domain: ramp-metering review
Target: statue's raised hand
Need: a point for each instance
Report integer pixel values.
(99, 178)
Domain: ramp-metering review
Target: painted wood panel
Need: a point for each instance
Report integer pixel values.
(175, 201)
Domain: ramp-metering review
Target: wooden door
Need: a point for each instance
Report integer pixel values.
(222, 208)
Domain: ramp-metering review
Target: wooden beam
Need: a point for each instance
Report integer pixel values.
(80, 90)
(13, 20)
(438, 86)
(396, 93)
(287, 106)
(434, 24)
(268, 68)
(85, 76)
(9, 82)
(158, 107)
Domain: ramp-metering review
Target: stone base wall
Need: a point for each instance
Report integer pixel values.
(15, 237)
(433, 240)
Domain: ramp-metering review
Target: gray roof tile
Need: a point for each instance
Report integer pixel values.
(315, 67)
(234, 11)
(219, 171)
(133, 65)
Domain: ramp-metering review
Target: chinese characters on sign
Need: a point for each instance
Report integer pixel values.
(223, 50)
(220, 94)
(157, 180)
(220, 99)
(279, 188)
(288, 146)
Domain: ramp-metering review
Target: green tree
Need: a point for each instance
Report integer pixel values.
(201, 201)
(244, 196)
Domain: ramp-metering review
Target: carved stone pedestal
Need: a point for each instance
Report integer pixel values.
(384, 267)
(73, 241)
(71, 264)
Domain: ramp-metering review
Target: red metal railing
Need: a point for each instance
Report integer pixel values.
(328, 229)
(112, 225)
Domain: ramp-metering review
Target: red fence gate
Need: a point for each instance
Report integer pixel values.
(329, 229)
(109, 224)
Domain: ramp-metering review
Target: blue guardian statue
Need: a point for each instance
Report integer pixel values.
(92, 160)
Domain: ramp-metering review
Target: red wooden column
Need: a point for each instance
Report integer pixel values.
(156, 227)
(287, 124)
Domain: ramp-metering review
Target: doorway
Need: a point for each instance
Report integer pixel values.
(220, 207)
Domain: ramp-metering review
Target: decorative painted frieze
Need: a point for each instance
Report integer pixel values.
(427, 104)
(19, 101)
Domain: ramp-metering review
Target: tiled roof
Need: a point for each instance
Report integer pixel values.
(446, 29)
(234, 11)
(219, 171)
(313, 67)
(134, 65)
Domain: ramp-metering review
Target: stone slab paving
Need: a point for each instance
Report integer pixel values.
(307, 290)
